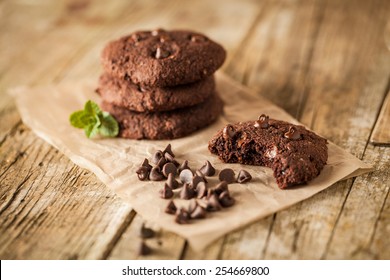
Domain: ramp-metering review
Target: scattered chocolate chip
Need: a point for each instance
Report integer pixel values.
(168, 149)
(171, 208)
(201, 190)
(170, 158)
(262, 121)
(166, 192)
(243, 176)
(196, 180)
(207, 169)
(146, 164)
(225, 199)
(155, 174)
(183, 166)
(186, 176)
(227, 175)
(228, 132)
(192, 205)
(143, 173)
(198, 213)
(157, 156)
(200, 174)
(220, 188)
(213, 203)
(161, 162)
(182, 216)
(144, 249)
(171, 182)
(169, 168)
(187, 192)
(146, 232)
(161, 53)
(292, 133)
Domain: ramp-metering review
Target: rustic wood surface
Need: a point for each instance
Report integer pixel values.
(326, 62)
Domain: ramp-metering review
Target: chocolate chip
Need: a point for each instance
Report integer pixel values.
(144, 249)
(228, 132)
(169, 168)
(262, 121)
(186, 176)
(187, 192)
(161, 162)
(168, 149)
(155, 174)
(201, 190)
(146, 164)
(171, 182)
(196, 180)
(183, 166)
(157, 31)
(162, 53)
(170, 158)
(243, 176)
(207, 169)
(166, 192)
(198, 38)
(143, 173)
(292, 133)
(192, 205)
(146, 232)
(171, 208)
(157, 156)
(220, 188)
(227, 175)
(213, 203)
(198, 213)
(182, 216)
(225, 199)
(200, 174)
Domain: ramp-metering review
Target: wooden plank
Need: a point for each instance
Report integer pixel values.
(344, 94)
(365, 210)
(335, 102)
(381, 133)
(50, 208)
(164, 245)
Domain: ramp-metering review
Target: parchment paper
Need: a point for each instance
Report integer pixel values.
(46, 111)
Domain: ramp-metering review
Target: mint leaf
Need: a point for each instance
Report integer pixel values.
(94, 121)
(92, 108)
(109, 127)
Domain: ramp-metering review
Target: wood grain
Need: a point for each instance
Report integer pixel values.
(381, 133)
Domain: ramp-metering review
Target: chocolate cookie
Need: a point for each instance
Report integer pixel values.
(295, 154)
(165, 125)
(125, 94)
(163, 58)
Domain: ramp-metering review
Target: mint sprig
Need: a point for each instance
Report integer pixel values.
(94, 121)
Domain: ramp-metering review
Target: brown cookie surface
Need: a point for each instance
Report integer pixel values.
(165, 125)
(163, 58)
(125, 94)
(295, 154)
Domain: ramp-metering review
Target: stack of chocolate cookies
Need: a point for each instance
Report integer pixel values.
(159, 84)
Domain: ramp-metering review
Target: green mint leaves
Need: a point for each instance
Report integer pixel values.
(94, 121)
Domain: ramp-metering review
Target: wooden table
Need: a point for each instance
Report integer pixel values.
(326, 62)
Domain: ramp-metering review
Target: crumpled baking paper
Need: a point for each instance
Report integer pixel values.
(46, 110)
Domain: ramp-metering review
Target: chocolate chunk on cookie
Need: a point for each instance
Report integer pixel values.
(295, 154)
(162, 58)
(124, 93)
(165, 125)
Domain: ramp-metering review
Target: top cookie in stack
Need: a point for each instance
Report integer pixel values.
(159, 84)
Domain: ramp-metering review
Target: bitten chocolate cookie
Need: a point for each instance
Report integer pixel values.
(165, 125)
(163, 58)
(125, 94)
(295, 154)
